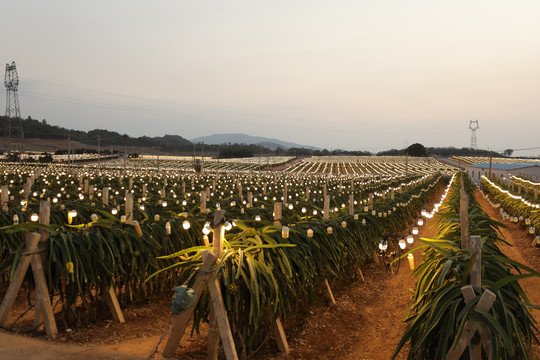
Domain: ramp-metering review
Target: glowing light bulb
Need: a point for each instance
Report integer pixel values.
(186, 225)
(206, 229)
(410, 258)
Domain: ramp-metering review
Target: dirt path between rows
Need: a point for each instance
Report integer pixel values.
(522, 251)
(366, 323)
(18, 347)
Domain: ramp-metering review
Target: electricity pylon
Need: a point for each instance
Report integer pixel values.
(14, 130)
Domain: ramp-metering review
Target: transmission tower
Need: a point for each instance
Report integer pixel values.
(473, 126)
(14, 130)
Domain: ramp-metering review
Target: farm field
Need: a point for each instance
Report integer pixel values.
(316, 222)
(471, 160)
(270, 180)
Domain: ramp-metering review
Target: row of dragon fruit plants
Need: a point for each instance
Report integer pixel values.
(110, 227)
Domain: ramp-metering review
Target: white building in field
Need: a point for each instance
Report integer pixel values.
(530, 170)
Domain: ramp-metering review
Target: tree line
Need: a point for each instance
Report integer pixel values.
(175, 144)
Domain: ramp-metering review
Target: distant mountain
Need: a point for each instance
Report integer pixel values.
(272, 144)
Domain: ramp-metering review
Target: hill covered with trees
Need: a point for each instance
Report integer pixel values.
(176, 144)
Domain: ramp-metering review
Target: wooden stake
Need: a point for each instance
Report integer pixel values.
(485, 303)
(203, 202)
(281, 339)
(30, 257)
(181, 321)
(222, 320)
(129, 208)
(114, 305)
(326, 214)
(277, 213)
(329, 294)
(213, 335)
(44, 219)
(18, 277)
(105, 196)
(4, 197)
(359, 273)
(219, 233)
(43, 299)
(476, 269)
(376, 257)
(464, 218)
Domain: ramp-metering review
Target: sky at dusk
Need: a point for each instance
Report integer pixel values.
(355, 75)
